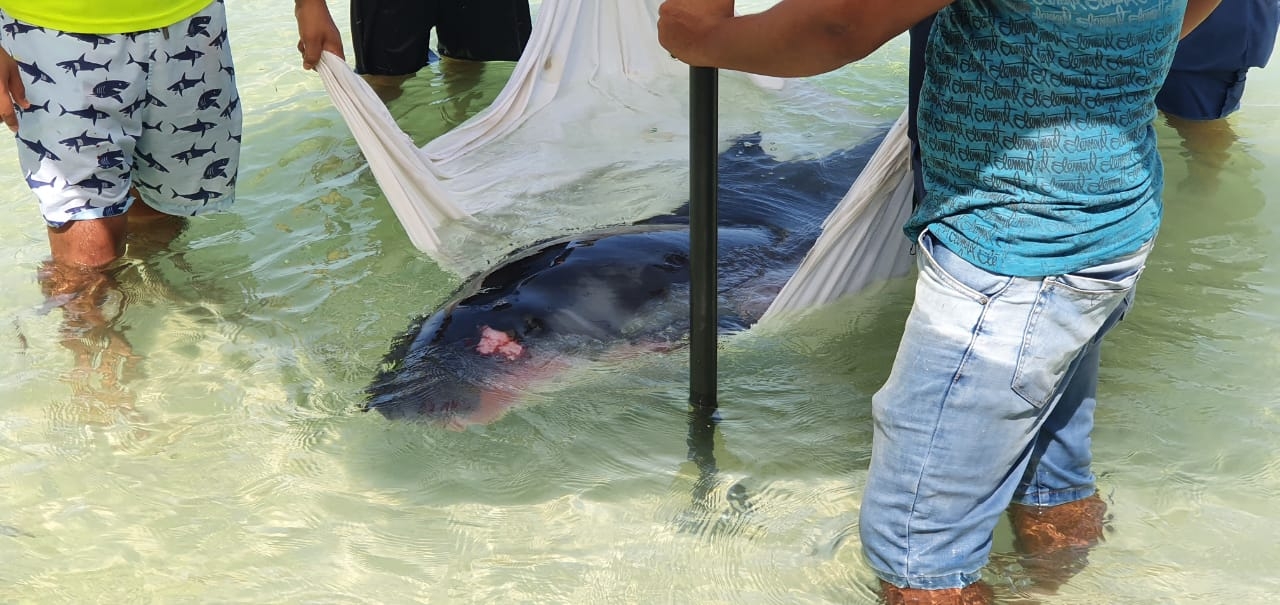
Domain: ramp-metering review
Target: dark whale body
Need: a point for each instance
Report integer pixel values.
(582, 296)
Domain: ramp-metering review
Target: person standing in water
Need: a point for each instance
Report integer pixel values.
(1207, 83)
(127, 122)
(1207, 79)
(392, 38)
(1042, 198)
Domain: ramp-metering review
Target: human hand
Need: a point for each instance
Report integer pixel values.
(316, 32)
(685, 25)
(12, 91)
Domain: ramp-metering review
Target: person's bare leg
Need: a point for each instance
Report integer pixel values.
(80, 279)
(89, 245)
(1204, 137)
(150, 231)
(1054, 541)
(104, 359)
(92, 245)
(1208, 149)
(388, 88)
(461, 78)
(974, 594)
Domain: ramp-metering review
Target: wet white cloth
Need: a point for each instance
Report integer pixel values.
(861, 241)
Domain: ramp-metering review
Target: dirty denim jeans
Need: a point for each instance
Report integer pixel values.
(990, 401)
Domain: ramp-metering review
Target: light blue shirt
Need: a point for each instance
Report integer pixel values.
(1039, 154)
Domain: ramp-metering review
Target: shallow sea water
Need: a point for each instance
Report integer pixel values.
(226, 460)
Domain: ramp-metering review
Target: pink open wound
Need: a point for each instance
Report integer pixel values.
(497, 342)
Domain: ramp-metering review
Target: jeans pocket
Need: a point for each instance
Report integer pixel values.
(960, 276)
(1070, 312)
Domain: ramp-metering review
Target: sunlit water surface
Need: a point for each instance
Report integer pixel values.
(227, 461)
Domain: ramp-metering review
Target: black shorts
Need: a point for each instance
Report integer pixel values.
(1201, 95)
(393, 37)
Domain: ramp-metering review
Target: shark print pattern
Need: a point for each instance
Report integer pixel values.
(156, 109)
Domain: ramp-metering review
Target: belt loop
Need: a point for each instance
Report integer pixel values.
(164, 31)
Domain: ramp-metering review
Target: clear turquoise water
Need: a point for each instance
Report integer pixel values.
(229, 464)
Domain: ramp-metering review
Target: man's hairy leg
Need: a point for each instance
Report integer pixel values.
(81, 280)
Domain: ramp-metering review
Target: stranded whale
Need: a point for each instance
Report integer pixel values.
(583, 296)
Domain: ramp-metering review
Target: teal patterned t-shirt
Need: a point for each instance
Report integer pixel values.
(1036, 130)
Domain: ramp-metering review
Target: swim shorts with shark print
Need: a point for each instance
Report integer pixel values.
(156, 109)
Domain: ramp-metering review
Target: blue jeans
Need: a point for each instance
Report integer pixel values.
(990, 401)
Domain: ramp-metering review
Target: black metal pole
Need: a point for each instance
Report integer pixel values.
(703, 239)
(703, 186)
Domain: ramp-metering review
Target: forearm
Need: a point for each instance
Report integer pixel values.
(1197, 12)
(307, 10)
(807, 37)
(317, 32)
